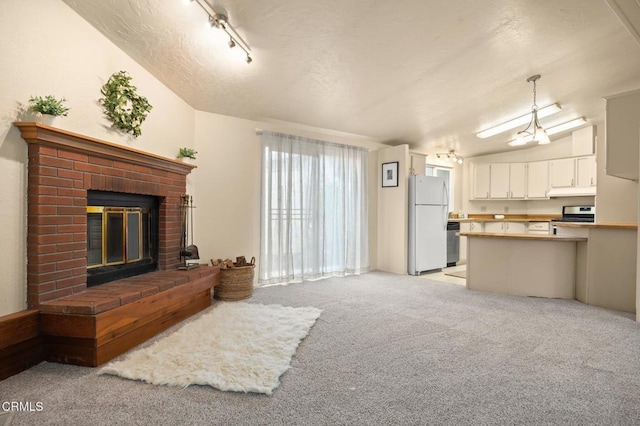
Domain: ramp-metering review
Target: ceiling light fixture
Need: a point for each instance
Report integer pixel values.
(552, 130)
(517, 122)
(451, 156)
(221, 21)
(534, 132)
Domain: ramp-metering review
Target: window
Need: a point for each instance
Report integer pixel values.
(314, 209)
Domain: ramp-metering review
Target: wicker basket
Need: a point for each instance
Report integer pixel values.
(235, 283)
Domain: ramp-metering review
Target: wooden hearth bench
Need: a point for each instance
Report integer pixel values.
(95, 326)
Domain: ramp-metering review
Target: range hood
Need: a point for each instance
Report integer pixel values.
(585, 191)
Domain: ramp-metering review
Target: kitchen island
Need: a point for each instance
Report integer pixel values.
(523, 264)
(594, 263)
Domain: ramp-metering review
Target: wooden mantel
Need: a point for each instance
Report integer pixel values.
(37, 133)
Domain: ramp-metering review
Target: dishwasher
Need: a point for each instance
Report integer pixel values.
(453, 243)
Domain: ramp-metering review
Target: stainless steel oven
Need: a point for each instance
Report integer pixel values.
(581, 214)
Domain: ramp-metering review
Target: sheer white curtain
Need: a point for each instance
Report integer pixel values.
(314, 209)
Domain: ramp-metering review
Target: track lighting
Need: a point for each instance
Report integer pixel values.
(221, 22)
(451, 156)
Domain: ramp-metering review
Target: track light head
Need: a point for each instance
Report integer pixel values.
(232, 44)
(249, 60)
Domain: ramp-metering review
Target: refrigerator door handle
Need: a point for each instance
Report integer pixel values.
(445, 206)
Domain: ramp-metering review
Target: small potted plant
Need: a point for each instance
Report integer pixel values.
(48, 106)
(187, 153)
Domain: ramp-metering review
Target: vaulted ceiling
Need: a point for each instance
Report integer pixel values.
(430, 73)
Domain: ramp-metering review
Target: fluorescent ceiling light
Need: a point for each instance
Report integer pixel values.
(520, 121)
(566, 126)
(553, 130)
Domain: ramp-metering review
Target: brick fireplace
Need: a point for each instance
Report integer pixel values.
(62, 167)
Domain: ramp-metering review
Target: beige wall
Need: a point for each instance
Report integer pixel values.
(617, 199)
(392, 212)
(48, 49)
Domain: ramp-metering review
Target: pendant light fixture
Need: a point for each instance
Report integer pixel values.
(534, 132)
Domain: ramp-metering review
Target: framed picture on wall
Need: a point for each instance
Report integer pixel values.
(389, 174)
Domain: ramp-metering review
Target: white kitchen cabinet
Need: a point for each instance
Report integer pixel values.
(481, 181)
(562, 173)
(515, 227)
(517, 180)
(418, 163)
(505, 227)
(494, 227)
(623, 134)
(499, 180)
(468, 227)
(538, 179)
(507, 181)
(572, 176)
(471, 227)
(586, 171)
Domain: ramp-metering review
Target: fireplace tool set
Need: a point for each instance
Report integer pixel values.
(188, 250)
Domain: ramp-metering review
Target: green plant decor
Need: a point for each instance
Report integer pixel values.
(48, 105)
(187, 153)
(122, 104)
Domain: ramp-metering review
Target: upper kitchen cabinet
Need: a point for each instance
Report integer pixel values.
(517, 180)
(572, 177)
(481, 180)
(418, 163)
(505, 181)
(623, 134)
(499, 180)
(562, 173)
(538, 179)
(586, 171)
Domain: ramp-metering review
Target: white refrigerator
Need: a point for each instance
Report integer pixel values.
(428, 215)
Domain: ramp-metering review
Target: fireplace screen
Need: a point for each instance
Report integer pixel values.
(117, 235)
(122, 236)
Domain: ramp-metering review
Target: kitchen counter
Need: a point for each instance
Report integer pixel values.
(609, 225)
(507, 218)
(533, 237)
(594, 263)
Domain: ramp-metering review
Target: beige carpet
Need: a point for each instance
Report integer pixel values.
(236, 346)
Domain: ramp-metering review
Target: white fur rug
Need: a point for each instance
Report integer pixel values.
(236, 346)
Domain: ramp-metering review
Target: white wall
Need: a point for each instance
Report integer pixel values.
(227, 181)
(46, 48)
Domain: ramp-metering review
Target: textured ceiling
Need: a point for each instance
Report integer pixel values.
(430, 73)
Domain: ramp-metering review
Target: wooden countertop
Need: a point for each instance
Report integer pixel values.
(536, 237)
(611, 225)
(507, 218)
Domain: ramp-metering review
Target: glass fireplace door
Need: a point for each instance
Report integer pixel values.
(116, 235)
